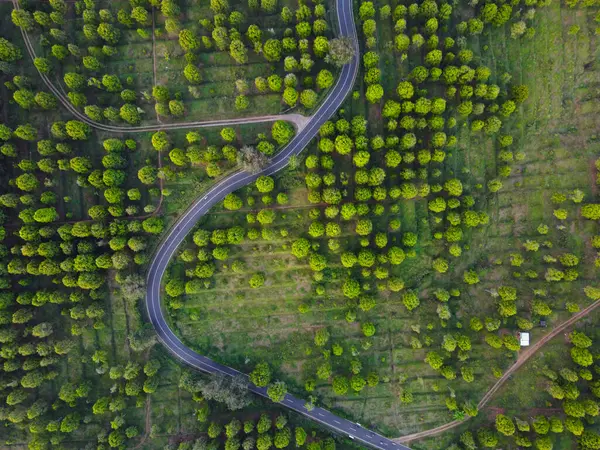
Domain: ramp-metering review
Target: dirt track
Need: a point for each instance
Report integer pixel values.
(522, 359)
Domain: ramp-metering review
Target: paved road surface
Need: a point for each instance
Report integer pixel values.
(201, 206)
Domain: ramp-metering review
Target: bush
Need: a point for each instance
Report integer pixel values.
(282, 132)
(257, 280)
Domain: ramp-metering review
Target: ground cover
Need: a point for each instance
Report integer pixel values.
(98, 201)
(558, 139)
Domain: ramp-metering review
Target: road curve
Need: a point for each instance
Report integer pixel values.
(298, 119)
(201, 206)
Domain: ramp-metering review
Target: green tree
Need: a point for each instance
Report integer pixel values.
(374, 93)
(277, 391)
(148, 175)
(109, 32)
(519, 93)
(188, 41)
(321, 337)
(257, 280)
(43, 65)
(265, 184)
(434, 360)
(141, 16)
(580, 339)
(116, 439)
(589, 440)
(238, 51)
(192, 74)
(541, 425)
(261, 375)
(487, 438)
(368, 329)
(27, 182)
(232, 202)
(543, 443)
(582, 356)
(591, 211)
(282, 132)
(112, 83)
(301, 248)
(351, 288)
(341, 51)
(505, 425)
(26, 132)
(272, 50)
(23, 19)
(176, 108)
(9, 52)
(153, 225)
(24, 98)
(410, 300)
(471, 277)
(574, 408)
(46, 215)
(324, 79)
(308, 98)
(340, 385)
(45, 100)
(130, 114)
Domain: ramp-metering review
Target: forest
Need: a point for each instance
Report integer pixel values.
(383, 261)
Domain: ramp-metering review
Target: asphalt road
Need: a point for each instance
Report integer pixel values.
(201, 206)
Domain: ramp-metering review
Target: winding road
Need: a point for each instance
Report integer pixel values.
(217, 193)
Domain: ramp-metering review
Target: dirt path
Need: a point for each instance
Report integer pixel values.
(593, 175)
(147, 414)
(148, 424)
(154, 56)
(527, 412)
(522, 359)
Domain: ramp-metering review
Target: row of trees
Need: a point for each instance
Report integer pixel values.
(214, 159)
(420, 130)
(101, 35)
(53, 295)
(297, 76)
(54, 273)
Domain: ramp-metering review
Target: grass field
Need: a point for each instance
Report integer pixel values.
(557, 131)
